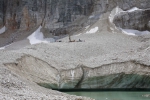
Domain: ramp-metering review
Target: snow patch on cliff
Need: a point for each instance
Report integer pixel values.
(78, 34)
(133, 9)
(113, 13)
(38, 37)
(134, 32)
(93, 30)
(92, 16)
(2, 30)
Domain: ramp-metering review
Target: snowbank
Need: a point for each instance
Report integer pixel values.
(134, 32)
(37, 37)
(2, 30)
(94, 30)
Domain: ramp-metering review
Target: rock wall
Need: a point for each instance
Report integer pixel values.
(58, 17)
(137, 20)
(59, 14)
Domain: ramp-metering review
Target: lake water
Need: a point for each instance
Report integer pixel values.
(113, 95)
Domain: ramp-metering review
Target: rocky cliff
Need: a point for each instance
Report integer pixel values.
(137, 20)
(56, 16)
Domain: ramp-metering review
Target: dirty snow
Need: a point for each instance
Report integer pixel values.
(2, 30)
(38, 37)
(134, 32)
(93, 30)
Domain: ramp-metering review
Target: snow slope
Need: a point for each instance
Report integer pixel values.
(2, 30)
(93, 30)
(38, 37)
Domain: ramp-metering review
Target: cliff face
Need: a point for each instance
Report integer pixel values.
(58, 17)
(58, 14)
(137, 20)
(25, 14)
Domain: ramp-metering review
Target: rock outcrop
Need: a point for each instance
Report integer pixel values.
(137, 20)
(54, 14)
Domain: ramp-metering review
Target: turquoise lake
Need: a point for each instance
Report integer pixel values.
(113, 95)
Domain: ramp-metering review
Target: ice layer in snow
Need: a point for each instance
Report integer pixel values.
(38, 37)
(93, 30)
(134, 32)
(2, 30)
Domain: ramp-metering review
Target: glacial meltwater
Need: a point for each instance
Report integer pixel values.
(120, 95)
